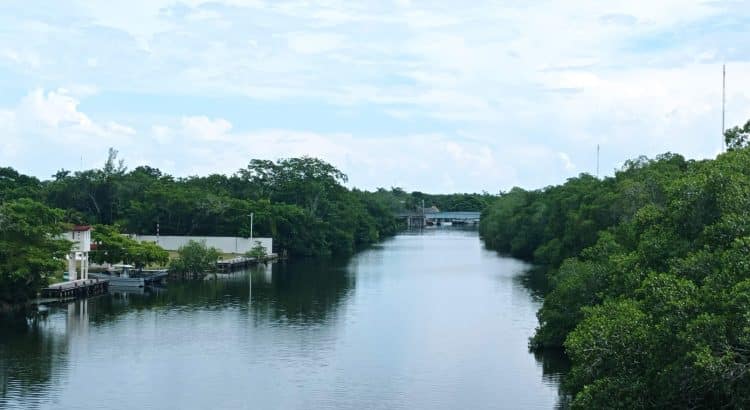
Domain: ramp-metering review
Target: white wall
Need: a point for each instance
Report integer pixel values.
(81, 240)
(225, 244)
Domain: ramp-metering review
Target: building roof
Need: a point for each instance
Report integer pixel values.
(81, 228)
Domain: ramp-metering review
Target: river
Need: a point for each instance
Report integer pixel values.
(426, 320)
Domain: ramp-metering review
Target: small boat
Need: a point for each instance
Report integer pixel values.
(151, 276)
(121, 275)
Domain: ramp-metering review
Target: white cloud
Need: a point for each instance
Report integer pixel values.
(430, 162)
(314, 43)
(9, 143)
(46, 131)
(26, 59)
(427, 162)
(53, 109)
(56, 113)
(567, 163)
(433, 162)
(162, 134)
(508, 85)
(204, 128)
(118, 129)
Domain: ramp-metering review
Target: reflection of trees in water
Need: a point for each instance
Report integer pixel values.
(302, 292)
(555, 366)
(296, 292)
(536, 281)
(34, 349)
(555, 363)
(32, 354)
(178, 295)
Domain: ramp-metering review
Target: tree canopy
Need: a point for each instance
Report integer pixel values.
(113, 247)
(30, 247)
(737, 137)
(300, 202)
(650, 278)
(195, 257)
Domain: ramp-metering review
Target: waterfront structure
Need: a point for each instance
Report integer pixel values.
(80, 235)
(225, 244)
(419, 219)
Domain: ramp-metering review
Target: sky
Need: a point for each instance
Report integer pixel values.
(436, 96)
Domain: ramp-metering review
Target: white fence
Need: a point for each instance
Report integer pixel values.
(225, 244)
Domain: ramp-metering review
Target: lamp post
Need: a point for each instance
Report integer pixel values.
(251, 227)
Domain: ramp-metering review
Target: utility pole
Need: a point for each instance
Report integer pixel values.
(424, 219)
(723, 104)
(251, 228)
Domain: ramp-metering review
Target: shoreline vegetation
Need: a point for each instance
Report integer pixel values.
(649, 272)
(301, 203)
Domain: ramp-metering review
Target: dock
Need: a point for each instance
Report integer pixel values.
(73, 289)
(240, 262)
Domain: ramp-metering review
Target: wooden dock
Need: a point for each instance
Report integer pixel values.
(240, 262)
(76, 289)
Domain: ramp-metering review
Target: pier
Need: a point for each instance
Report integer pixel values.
(73, 289)
(240, 262)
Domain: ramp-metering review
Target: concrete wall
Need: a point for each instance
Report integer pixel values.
(225, 244)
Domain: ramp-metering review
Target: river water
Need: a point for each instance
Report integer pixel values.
(422, 321)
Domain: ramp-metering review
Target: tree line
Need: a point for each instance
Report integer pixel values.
(649, 273)
(300, 202)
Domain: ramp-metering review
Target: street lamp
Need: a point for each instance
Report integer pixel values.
(251, 227)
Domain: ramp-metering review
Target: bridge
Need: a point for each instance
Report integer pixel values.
(417, 219)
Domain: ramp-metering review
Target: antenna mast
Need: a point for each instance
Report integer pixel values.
(597, 160)
(723, 104)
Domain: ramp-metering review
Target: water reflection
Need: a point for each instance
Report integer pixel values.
(429, 319)
(33, 356)
(307, 291)
(554, 362)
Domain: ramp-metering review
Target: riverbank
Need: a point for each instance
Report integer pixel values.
(650, 288)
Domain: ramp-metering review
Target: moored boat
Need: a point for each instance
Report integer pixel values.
(121, 275)
(152, 276)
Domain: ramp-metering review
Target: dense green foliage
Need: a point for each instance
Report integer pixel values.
(113, 247)
(194, 258)
(300, 202)
(650, 279)
(737, 137)
(258, 252)
(399, 200)
(30, 247)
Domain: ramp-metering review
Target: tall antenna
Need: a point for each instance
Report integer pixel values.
(723, 104)
(597, 160)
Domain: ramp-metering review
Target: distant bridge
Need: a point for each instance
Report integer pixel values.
(416, 219)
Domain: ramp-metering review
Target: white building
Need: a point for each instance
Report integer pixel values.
(81, 238)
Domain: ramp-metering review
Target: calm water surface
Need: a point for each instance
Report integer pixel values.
(422, 321)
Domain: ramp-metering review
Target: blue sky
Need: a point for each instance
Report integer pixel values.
(437, 96)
